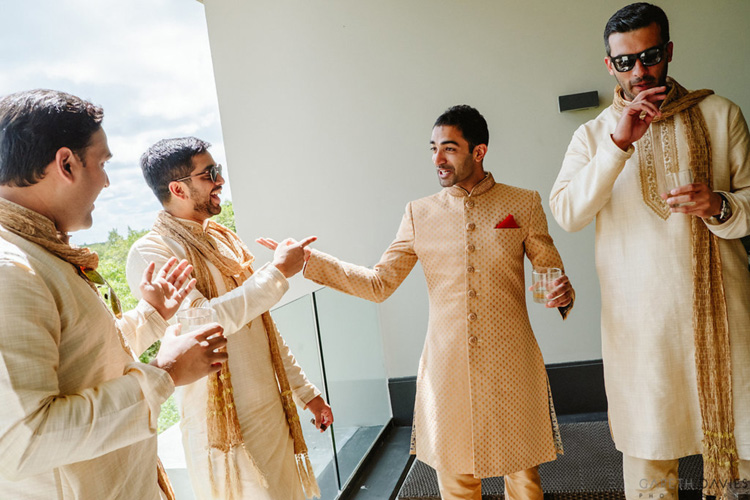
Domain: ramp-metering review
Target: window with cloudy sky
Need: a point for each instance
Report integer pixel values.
(147, 62)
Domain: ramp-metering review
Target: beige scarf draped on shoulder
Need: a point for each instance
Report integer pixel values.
(38, 229)
(224, 432)
(710, 322)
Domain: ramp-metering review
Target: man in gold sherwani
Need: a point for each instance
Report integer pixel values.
(78, 417)
(674, 279)
(483, 405)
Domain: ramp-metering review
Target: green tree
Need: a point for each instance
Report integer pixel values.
(226, 217)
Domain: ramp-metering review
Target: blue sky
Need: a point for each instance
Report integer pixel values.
(147, 62)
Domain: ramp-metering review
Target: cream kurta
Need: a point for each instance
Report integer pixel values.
(256, 394)
(482, 404)
(78, 415)
(644, 267)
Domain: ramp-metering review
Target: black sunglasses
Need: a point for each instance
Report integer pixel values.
(214, 171)
(648, 57)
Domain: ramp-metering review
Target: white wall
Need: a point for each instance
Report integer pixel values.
(327, 109)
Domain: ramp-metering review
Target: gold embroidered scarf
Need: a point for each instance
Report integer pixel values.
(234, 262)
(38, 229)
(710, 322)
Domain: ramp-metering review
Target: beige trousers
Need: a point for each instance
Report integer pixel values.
(522, 485)
(657, 479)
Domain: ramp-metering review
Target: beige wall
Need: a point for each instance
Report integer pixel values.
(327, 108)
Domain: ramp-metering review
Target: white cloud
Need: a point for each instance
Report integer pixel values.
(147, 62)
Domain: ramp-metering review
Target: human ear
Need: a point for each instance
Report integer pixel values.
(63, 164)
(479, 152)
(177, 190)
(608, 64)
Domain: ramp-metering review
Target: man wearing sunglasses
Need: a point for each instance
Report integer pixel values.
(78, 417)
(240, 440)
(673, 273)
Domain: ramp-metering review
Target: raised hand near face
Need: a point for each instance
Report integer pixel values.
(165, 291)
(290, 255)
(637, 116)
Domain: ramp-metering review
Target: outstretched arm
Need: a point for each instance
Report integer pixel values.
(375, 284)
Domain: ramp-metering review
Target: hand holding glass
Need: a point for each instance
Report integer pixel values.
(194, 318)
(543, 282)
(679, 179)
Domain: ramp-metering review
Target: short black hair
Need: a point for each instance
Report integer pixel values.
(469, 121)
(636, 16)
(34, 125)
(170, 159)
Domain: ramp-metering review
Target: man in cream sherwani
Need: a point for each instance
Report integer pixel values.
(187, 181)
(674, 277)
(483, 405)
(78, 417)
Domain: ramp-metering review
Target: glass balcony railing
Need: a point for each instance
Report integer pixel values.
(336, 339)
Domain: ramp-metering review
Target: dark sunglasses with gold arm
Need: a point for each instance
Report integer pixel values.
(214, 171)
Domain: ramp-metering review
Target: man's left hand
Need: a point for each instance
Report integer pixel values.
(562, 294)
(322, 412)
(703, 201)
(165, 291)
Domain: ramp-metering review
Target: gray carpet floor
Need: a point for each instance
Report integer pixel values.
(591, 468)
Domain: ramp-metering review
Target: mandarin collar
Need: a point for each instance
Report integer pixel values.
(482, 187)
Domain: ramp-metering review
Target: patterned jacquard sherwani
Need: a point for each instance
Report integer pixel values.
(482, 404)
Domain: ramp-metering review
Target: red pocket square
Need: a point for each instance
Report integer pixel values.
(508, 223)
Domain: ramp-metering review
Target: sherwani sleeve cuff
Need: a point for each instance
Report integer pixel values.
(314, 268)
(565, 310)
(156, 385)
(736, 226)
(305, 394)
(613, 150)
(142, 326)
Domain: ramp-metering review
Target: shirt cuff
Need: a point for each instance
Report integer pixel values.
(272, 275)
(614, 150)
(304, 395)
(156, 384)
(151, 314)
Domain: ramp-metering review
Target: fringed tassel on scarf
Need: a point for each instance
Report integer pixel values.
(713, 357)
(306, 476)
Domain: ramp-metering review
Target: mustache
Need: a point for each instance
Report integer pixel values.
(645, 79)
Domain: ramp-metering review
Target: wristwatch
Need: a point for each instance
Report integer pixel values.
(726, 210)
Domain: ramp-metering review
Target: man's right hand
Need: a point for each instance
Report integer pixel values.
(290, 255)
(632, 126)
(191, 356)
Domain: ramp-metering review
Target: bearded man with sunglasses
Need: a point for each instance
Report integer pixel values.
(241, 434)
(673, 272)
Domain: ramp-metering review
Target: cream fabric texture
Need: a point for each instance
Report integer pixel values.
(482, 404)
(256, 394)
(78, 413)
(645, 273)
